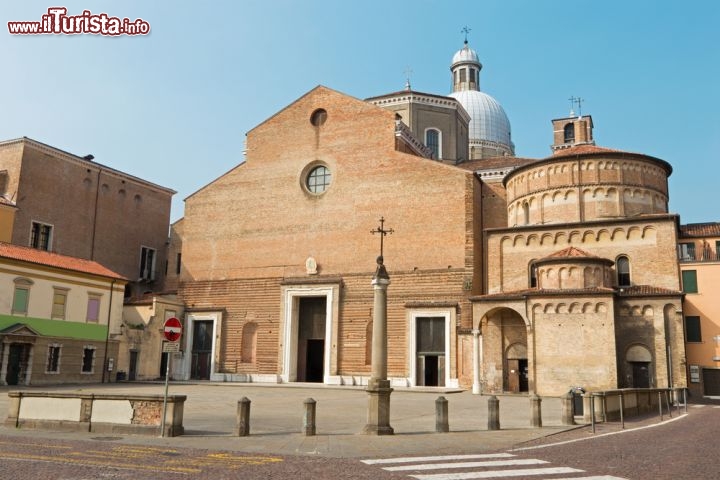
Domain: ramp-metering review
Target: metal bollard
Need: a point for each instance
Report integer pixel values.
(535, 411)
(493, 413)
(442, 422)
(309, 417)
(660, 405)
(622, 411)
(567, 409)
(243, 417)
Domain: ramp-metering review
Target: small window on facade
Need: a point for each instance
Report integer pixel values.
(178, 263)
(533, 276)
(3, 182)
(59, 303)
(686, 252)
(689, 281)
(53, 359)
(472, 75)
(41, 236)
(93, 308)
(623, 271)
(569, 133)
(88, 359)
(432, 141)
(318, 117)
(318, 180)
(692, 329)
(21, 298)
(716, 256)
(526, 213)
(463, 75)
(147, 263)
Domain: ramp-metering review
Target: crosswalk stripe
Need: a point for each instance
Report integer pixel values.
(594, 477)
(491, 463)
(498, 473)
(436, 458)
(697, 406)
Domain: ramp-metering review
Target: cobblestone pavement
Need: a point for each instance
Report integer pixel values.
(277, 449)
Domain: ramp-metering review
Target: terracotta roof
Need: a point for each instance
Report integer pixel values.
(645, 290)
(50, 259)
(495, 162)
(582, 150)
(518, 294)
(634, 291)
(571, 252)
(711, 229)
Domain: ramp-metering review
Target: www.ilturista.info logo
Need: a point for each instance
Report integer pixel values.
(58, 22)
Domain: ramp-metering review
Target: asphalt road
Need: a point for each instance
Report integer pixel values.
(32, 458)
(684, 448)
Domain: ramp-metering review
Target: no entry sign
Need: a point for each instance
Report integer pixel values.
(172, 329)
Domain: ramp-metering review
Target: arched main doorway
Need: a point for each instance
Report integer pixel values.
(505, 365)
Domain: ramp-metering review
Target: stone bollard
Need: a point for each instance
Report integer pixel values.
(442, 422)
(493, 413)
(536, 411)
(567, 412)
(243, 417)
(309, 417)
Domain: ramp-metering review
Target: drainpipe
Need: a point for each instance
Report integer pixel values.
(94, 225)
(107, 336)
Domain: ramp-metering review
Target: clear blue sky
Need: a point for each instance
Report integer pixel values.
(173, 107)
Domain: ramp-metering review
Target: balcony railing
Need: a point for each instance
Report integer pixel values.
(693, 257)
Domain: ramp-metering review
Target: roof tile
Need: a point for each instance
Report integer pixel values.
(710, 229)
(50, 259)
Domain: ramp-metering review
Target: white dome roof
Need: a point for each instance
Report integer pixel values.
(488, 120)
(465, 54)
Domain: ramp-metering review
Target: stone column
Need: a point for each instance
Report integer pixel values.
(477, 357)
(5, 359)
(378, 414)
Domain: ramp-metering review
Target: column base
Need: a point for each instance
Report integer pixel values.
(378, 414)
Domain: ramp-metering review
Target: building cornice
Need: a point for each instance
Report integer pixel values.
(69, 157)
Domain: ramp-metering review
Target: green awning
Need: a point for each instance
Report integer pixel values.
(57, 328)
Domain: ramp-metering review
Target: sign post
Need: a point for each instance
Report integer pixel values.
(172, 331)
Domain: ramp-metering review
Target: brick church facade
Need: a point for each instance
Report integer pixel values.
(507, 274)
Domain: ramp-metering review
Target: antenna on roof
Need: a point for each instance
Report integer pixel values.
(466, 30)
(573, 101)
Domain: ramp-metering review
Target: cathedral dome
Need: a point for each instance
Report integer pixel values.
(488, 119)
(489, 128)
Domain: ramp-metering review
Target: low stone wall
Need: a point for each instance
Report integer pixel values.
(635, 401)
(98, 413)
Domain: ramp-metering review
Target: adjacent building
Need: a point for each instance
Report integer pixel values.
(699, 254)
(116, 219)
(57, 318)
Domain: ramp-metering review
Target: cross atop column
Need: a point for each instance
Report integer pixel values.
(382, 231)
